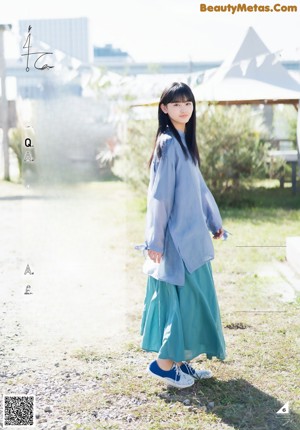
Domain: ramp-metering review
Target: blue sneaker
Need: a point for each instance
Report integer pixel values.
(174, 376)
(187, 369)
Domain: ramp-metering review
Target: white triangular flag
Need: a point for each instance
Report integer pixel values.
(75, 63)
(200, 78)
(244, 66)
(284, 409)
(59, 55)
(260, 59)
(276, 57)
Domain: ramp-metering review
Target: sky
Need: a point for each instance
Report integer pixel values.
(166, 30)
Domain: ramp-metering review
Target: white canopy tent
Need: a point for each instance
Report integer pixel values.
(251, 75)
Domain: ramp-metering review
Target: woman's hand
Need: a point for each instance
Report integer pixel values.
(155, 256)
(218, 234)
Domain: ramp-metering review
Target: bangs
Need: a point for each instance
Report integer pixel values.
(178, 93)
(180, 98)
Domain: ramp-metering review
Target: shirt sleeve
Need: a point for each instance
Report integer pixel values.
(160, 198)
(210, 207)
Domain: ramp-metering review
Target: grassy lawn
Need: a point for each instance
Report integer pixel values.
(261, 372)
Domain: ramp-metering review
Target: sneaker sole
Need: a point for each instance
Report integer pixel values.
(205, 375)
(169, 381)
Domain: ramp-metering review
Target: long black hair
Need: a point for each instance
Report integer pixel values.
(176, 93)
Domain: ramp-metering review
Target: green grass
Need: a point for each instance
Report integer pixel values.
(262, 194)
(261, 372)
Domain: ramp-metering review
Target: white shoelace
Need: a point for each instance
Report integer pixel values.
(178, 372)
(189, 368)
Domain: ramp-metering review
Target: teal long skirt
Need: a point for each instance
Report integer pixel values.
(181, 323)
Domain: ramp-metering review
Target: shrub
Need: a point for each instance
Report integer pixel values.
(232, 148)
(230, 143)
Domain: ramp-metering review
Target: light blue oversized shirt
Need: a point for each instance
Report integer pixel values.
(181, 213)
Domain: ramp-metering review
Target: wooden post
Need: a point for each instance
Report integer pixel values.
(4, 111)
(294, 177)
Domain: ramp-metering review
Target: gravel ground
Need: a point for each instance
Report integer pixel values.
(52, 340)
(73, 341)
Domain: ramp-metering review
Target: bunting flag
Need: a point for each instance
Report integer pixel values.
(260, 59)
(59, 55)
(69, 75)
(75, 63)
(276, 57)
(244, 66)
(68, 68)
(44, 45)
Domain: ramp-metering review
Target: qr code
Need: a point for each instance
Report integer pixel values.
(18, 410)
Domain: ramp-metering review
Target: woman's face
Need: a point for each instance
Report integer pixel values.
(179, 113)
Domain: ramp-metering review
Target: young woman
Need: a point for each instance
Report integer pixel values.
(181, 317)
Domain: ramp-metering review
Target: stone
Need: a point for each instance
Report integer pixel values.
(48, 409)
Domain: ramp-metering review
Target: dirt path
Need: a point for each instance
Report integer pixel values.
(73, 240)
(73, 341)
(58, 341)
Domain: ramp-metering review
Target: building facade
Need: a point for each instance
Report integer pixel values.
(70, 36)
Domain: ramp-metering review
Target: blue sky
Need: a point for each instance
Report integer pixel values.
(167, 30)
